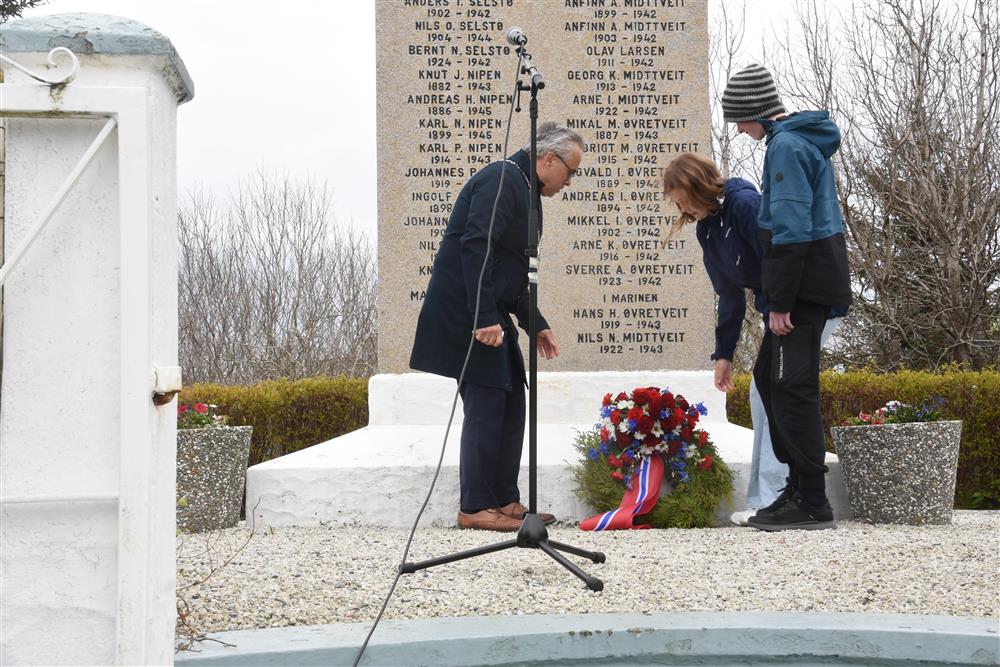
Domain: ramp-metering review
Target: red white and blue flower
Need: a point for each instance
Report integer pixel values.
(648, 422)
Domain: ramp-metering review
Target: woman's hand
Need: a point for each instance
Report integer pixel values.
(724, 375)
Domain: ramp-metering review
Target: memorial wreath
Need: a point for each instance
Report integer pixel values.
(643, 439)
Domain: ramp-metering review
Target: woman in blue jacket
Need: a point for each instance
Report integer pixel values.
(725, 212)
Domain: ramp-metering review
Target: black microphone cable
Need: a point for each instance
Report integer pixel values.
(461, 375)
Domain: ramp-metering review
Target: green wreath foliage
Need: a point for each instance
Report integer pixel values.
(691, 504)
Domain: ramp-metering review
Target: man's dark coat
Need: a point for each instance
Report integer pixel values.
(445, 325)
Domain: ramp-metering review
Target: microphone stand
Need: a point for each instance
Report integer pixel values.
(532, 534)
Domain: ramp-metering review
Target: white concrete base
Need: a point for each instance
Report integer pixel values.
(379, 475)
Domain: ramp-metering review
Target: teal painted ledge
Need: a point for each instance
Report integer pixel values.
(700, 638)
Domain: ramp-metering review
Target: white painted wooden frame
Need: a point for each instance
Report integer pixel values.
(128, 107)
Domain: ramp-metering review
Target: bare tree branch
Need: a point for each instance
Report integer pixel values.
(271, 287)
(914, 86)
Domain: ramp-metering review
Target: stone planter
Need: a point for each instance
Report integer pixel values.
(211, 475)
(900, 473)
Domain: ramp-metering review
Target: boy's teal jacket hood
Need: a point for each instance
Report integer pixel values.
(814, 126)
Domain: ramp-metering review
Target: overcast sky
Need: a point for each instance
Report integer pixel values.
(284, 85)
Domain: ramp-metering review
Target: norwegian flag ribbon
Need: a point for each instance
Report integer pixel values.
(637, 500)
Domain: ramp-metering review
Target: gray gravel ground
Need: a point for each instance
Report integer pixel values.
(307, 576)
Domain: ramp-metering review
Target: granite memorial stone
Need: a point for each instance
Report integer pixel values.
(632, 77)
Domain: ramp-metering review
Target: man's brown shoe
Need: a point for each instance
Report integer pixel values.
(491, 519)
(517, 510)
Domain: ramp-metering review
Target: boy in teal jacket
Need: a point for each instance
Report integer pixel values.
(805, 279)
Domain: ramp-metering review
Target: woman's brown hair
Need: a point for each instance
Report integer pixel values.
(699, 178)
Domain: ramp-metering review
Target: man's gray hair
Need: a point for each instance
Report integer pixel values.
(558, 139)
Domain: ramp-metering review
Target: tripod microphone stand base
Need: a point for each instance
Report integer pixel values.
(532, 535)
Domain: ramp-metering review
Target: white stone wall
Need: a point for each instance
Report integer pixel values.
(60, 393)
(61, 385)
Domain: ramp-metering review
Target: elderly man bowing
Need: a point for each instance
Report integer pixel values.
(493, 386)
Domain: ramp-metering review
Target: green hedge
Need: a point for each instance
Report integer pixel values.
(289, 415)
(973, 397)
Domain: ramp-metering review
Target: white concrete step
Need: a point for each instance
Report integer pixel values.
(379, 475)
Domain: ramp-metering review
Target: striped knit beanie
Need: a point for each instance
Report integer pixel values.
(751, 94)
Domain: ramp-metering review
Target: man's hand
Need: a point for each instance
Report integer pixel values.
(724, 375)
(492, 336)
(780, 324)
(547, 345)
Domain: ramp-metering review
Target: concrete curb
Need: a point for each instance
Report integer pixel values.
(701, 638)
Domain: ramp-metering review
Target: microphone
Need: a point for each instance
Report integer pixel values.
(516, 37)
